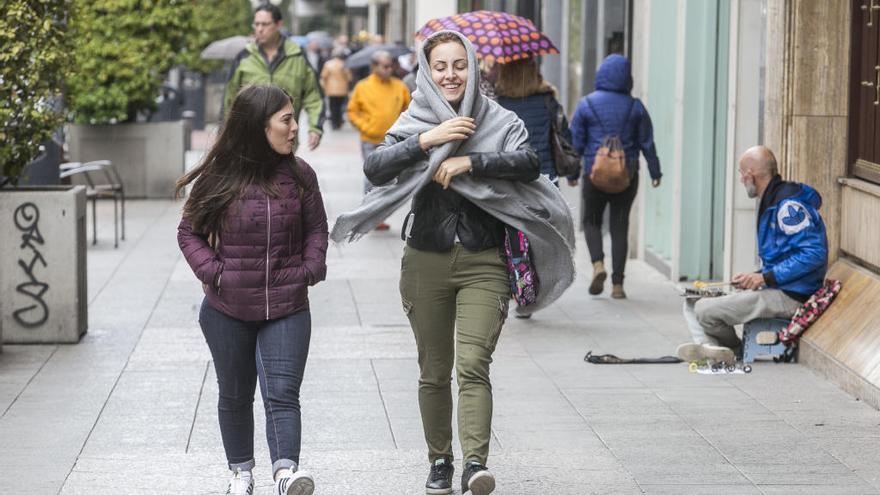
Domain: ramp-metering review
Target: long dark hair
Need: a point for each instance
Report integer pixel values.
(240, 157)
(520, 78)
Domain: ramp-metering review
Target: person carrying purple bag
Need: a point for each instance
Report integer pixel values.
(465, 165)
(254, 232)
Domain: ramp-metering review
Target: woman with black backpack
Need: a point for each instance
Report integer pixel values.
(611, 127)
(521, 89)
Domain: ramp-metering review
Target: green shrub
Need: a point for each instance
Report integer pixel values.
(33, 59)
(123, 49)
(214, 20)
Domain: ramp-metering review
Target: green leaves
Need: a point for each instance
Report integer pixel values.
(108, 58)
(35, 56)
(214, 20)
(122, 50)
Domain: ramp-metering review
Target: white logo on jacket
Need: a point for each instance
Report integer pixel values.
(792, 217)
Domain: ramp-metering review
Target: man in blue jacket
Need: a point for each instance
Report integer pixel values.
(794, 258)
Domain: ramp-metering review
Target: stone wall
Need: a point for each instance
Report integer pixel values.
(148, 156)
(807, 97)
(806, 121)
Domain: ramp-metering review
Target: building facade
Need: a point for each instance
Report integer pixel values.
(803, 78)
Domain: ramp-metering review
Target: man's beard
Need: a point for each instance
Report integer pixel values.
(752, 190)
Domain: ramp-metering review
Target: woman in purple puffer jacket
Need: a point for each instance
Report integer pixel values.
(254, 232)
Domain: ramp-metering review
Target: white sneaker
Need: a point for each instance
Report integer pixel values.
(294, 483)
(242, 483)
(692, 352)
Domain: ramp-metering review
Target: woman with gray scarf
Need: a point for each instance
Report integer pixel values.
(468, 164)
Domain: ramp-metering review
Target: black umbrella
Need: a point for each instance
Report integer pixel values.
(364, 56)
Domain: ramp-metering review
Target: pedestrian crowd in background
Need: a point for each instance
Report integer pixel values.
(479, 148)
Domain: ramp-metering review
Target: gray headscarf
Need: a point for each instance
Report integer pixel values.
(536, 208)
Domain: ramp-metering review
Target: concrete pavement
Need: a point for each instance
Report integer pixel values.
(132, 408)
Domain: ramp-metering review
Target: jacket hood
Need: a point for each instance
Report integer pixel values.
(779, 190)
(471, 102)
(615, 74)
(810, 196)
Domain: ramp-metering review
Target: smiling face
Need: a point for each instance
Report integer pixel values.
(449, 70)
(281, 130)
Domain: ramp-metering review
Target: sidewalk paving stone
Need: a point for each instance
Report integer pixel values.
(132, 408)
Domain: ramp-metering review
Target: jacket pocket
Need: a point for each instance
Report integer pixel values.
(216, 283)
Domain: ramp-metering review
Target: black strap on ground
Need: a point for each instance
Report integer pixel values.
(612, 359)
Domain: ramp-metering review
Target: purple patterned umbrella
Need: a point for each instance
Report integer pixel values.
(496, 36)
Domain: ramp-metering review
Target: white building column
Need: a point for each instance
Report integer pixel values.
(431, 9)
(678, 131)
(553, 67)
(743, 132)
(641, 50)
(373, 17)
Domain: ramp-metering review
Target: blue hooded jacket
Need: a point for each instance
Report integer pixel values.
(607, 108)
(791, 238)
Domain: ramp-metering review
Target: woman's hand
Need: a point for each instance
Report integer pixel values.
(457, 129)
(451, 167)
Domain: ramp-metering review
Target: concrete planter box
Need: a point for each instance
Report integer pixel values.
(149, 156)
(43, 265)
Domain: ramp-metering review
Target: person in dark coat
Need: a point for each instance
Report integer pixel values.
(521, 89)
(611, 110)
(254, 232)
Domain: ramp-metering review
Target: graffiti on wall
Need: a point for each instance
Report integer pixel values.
(35, 312)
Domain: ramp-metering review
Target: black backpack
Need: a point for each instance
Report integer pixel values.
(566, 160)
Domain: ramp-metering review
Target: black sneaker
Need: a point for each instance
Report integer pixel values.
(476, 479)
(440, 478)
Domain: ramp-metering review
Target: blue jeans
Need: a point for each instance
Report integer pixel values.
(276, 352)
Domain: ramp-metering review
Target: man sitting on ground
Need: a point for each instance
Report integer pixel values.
(794, 257)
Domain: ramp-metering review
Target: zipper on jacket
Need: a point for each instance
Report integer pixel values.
(268, 246)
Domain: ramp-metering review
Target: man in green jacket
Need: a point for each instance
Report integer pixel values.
(272, 59)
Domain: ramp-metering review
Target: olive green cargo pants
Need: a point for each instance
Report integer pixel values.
(442, 292)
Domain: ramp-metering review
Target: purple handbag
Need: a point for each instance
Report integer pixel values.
(520, 270)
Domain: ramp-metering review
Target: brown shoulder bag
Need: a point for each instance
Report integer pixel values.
(609, 173)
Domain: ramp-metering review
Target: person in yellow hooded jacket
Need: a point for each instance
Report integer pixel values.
(375, 104)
